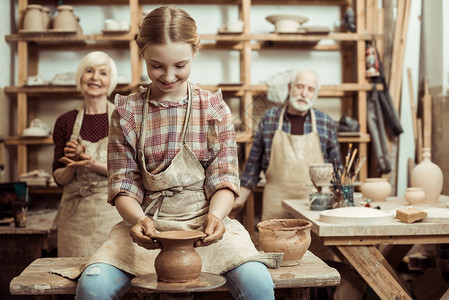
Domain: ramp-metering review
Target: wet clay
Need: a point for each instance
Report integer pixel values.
(178, 261)
(288, 236)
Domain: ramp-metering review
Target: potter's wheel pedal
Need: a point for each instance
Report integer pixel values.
(206, 281)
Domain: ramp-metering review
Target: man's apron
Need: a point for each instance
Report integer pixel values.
(288, 171)
(175, 200)
(84, 216)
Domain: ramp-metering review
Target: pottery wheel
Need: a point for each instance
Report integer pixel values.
(206, 281)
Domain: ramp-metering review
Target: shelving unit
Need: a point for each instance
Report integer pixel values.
(351, 46)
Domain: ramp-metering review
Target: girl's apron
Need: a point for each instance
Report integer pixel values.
(84, 216)
(175, 200)
(288, 171)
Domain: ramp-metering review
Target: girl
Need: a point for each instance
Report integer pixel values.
(172, 165)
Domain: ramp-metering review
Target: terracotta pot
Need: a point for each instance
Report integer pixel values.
(65, 20)
(33, 18)
(415, 195)
(376, 189)
(288, 236)
(178, 261)
(428, 176)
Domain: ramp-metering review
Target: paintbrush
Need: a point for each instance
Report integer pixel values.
(358, 167)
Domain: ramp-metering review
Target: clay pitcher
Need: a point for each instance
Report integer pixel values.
(428, 176)
(288, 236)
(178, 261)
(65, 20)
(33, 18)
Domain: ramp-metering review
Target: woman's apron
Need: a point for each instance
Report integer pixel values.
(175, 200)
(288, 171)
(84, 216)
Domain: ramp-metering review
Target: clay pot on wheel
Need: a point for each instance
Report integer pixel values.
(376, 189)
(288, 236)
(178, 261)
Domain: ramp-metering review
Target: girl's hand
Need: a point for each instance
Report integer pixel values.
(215, 230)
(141, 234)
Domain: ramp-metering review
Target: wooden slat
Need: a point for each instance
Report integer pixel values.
(427, 117)
(393, 239)
(412, 105)
(366, 261)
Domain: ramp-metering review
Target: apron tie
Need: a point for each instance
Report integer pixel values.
(158, 199)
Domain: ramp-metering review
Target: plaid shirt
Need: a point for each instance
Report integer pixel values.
(210, 135)
(259, 156)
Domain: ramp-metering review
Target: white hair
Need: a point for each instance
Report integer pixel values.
(94, 59)
(296, 73)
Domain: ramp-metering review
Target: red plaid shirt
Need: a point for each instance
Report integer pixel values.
(210, 135)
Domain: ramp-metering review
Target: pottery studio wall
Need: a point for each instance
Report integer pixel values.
(210, 67)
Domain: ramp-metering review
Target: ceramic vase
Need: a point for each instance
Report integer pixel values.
(46, 17)
(415, 195)
(428, 176)
(376, 189)
(33, 18)
(65, 20)
(178, 261)
(288, 236)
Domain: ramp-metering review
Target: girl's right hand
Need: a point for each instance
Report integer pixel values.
(141, 234)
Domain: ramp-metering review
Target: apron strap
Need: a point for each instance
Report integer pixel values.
(312, 115)
(189, 108)
(80, 116)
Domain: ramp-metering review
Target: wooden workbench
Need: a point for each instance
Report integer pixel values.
(293, 282)
(20, 246)
(357, 242)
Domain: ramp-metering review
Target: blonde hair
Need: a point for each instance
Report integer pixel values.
(167, 24)
(94, 59)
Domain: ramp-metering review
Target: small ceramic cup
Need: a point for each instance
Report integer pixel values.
(415, 195)
(235, 26)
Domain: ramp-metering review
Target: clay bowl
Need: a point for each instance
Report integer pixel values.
(415, 195)
(288, 236)
(376, 189)
(178, 262)
(321, 174)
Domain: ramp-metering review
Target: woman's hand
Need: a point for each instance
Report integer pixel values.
(141, 234)
(73, 164)
(215, 230)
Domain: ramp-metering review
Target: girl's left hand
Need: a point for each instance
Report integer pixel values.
(215, 230)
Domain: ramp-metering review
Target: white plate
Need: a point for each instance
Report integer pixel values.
(274, 18)
(356, 216)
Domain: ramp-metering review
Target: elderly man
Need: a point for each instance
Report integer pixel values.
(287, 141)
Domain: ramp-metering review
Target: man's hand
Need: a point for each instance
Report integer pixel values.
(141, 234)
(214, 230)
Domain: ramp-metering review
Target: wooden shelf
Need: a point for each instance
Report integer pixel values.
(56, 90)
(18, 140)
(44, 190)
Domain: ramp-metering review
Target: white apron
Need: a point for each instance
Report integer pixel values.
(84, 216)
(175, 200)
(288, 171)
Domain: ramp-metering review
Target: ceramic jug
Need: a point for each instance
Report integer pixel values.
(33, 18)
(65, 20)
(178, 260)
(428, 175)
(46, 17)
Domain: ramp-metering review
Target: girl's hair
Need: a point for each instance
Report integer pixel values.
(167, 24)
(94, 59)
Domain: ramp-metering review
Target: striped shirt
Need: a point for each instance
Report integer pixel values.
(210, 135)
(259, 156)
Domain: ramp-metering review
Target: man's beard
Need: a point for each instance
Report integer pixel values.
(300, 106)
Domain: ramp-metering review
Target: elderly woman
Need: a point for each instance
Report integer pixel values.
(80, 136)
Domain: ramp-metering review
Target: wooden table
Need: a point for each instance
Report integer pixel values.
(357, 242)
(291, 282)
(20, 246)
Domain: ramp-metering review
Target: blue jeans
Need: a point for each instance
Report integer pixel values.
(250, 281)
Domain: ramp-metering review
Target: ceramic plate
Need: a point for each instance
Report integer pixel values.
(356, 216)
(274, 18)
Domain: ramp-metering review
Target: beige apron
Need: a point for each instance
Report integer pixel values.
(84, 216)
(175, 200)
(288, 171)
